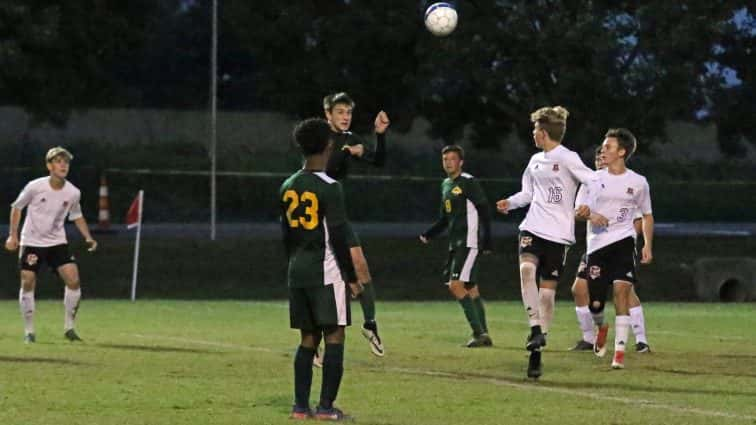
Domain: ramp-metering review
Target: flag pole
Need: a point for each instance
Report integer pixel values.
(136, 248)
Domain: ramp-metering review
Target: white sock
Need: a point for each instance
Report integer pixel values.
(26, 306)
(529, 290)
(546, 305)
(638, 323)
(585, 320)
(621, 325)
(71, 302)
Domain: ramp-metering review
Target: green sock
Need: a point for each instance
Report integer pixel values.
(471, 314)
(481, 310)
(367, 301)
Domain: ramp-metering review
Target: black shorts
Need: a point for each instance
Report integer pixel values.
(582, 271)
(461, 265)
(30, 257)
(318, 307)
(612, 263)
(551, 255)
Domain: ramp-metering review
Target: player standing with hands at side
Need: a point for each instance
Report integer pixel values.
(43, 238)
(314, 226)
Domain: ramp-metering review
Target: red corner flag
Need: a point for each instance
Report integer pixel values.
(134, 219)
(134, 215)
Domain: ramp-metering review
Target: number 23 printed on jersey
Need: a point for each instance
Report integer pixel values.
(309, 220)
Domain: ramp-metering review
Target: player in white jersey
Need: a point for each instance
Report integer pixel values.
(610, 238)
(43, 238)
(589, 321)
(549, 186)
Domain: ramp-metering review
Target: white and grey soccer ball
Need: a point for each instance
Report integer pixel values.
(441, 19)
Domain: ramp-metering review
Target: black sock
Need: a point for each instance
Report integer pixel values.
(535, 330)
(333, 369)
(303, 376)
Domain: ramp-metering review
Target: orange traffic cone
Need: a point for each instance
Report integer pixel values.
(103, 213)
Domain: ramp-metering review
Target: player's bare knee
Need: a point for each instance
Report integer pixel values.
(527, 272)
(472, 290)
(457, 289)
(28, 280)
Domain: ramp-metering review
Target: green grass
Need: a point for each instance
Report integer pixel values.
(229, 362)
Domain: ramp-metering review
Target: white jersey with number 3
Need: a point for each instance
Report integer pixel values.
(46, 212)
(619, 198)
(549, 185)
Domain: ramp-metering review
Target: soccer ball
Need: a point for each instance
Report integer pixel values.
(440, 19)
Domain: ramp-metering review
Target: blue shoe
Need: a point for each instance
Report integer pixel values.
(332, 414)
(30, 338)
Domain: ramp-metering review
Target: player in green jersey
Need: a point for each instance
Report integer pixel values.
(465, 215)
(314, 226)
(349, 147)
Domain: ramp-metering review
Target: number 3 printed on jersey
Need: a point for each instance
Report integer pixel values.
(310, 218)
(555, 195)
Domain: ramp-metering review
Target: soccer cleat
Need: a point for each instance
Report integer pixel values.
(317, 359)
(534, 364)
(618, 362)
(370, 332)
(332, 414)
(30, 338)
(642, 347)
(482, 340)
(487, 341)
(535, 342)
(300, 413)
(599, 347)
(582, 345)
(71, 335)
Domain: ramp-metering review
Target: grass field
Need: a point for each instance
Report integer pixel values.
(183, 362)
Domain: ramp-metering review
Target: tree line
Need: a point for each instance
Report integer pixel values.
(611, 63)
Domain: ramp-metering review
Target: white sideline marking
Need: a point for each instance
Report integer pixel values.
(495, 381)
(209, 343)
(570, 392)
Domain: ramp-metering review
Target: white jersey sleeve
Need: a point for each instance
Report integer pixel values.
(525, 195)
(644, 199)
(585, 176)
(26, 196)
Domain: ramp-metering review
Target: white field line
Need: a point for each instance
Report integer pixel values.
(495, 381)
(595, 396)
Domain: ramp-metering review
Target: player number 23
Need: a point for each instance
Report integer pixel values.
(310, 218)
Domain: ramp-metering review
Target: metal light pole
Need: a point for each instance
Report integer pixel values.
(213, 116)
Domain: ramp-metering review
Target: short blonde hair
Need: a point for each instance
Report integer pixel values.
(552, 119)
(58, 151)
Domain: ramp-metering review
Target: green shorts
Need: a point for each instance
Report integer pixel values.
(461, 265)
(319, 307)
(352, 239)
